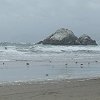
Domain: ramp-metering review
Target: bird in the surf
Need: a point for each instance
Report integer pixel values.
(47, 75)
(76, 62)
(81, 65)
(27, 64)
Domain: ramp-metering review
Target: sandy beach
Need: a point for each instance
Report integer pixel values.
(53, 90)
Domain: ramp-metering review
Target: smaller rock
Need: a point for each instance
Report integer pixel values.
(86, 40)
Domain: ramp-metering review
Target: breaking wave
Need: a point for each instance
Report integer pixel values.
(60, 49)
(26, 51)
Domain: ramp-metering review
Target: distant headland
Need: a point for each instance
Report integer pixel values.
(67, 37)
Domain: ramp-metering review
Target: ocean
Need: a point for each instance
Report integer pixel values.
(30, 62)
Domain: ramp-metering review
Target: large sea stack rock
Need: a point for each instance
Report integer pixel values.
(86, 40)
(61, 37)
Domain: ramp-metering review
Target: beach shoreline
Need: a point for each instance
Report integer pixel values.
(69, 89)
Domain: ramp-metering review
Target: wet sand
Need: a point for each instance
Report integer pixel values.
(53, 90)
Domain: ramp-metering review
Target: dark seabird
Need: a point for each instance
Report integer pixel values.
(81, 65)
(66, 64)
(27, 63)
(47, 75)
(76, 62)
(5, 48)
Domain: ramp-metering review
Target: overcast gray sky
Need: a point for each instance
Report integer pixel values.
(33, 20)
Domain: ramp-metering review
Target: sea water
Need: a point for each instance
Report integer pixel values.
(25, 62)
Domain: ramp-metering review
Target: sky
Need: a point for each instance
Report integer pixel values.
(34, 20)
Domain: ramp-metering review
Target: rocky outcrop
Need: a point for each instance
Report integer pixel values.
(66, 37)
(61, 37)
(86, 40)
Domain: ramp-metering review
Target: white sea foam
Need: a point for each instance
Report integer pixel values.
(20, 53)
(50, 48)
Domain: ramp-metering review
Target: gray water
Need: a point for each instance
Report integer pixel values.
(48, 62)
